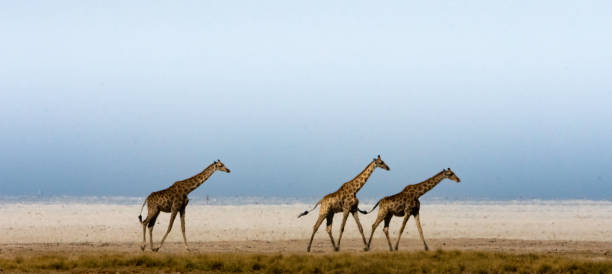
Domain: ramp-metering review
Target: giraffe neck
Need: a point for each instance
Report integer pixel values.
(197, 180)
(357, 183)
(422, 187)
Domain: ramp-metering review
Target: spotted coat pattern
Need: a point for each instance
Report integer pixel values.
(344, 200)
(405, 204)
(174, 200)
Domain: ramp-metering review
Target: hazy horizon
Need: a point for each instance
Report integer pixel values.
(124, 98)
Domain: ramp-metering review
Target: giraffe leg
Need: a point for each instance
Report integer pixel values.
(151, 237)
(418, 223)
(330, 219)
(356, 216)
(144, 237)
(150, 222)
(374, 226)
(182, 212)
(172, 217)
(314, 230)
(344, 217)
(406, 217)
(386, 230)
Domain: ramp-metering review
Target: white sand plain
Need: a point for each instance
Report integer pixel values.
(78, 222)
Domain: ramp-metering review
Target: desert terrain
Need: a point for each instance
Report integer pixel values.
(69, 230)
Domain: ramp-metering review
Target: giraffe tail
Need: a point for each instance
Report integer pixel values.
(140, 216)
(371, 209)
(306, 212)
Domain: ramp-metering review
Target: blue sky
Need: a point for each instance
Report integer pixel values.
(124, 98)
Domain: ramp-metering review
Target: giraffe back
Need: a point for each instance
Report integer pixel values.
(338, 201)
(399, 203)
(164, 199)
(331, 203)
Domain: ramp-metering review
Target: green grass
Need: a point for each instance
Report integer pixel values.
(379, 262)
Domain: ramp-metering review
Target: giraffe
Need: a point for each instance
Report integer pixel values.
(406, 203)
(345, 201)
(174, 200)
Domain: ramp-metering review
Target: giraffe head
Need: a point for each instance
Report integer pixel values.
(379, 163)
(220, 166)
(448, 173)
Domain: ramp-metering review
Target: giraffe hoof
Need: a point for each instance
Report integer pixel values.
(142, 248)
(366, 248)
(336, 249)
(155, 249)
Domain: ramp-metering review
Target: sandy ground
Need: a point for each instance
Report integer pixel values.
(593, 250)
(540, 226)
